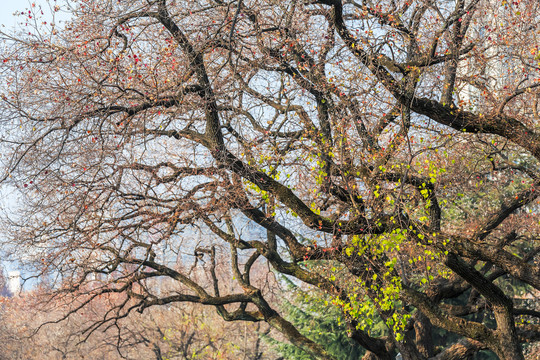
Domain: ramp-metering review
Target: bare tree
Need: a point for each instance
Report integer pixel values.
(177, 331)
(385, 152)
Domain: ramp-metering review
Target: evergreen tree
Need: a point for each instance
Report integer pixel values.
(310, 312)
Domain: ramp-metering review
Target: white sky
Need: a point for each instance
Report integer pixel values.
(8, 7)
(7, 22)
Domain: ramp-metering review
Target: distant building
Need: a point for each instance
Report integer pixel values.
(14, 282)
(492, 74)
(4, 292)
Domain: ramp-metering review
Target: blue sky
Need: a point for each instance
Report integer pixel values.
(8, 7)
(8, 21)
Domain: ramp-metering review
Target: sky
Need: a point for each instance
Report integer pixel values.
(9, 21)
(9, 7)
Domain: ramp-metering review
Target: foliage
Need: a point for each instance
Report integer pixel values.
(174, 332)
(311, 313)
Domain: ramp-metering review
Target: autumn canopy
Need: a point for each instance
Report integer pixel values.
(384, 153)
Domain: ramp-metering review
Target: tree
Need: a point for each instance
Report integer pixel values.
(309, 312)
(329, 140)
(178, 331)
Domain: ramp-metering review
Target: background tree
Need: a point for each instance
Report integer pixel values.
(177, 331)
(329, 140)
(310, 313)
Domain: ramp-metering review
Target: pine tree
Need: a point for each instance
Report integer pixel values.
(310, 312)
